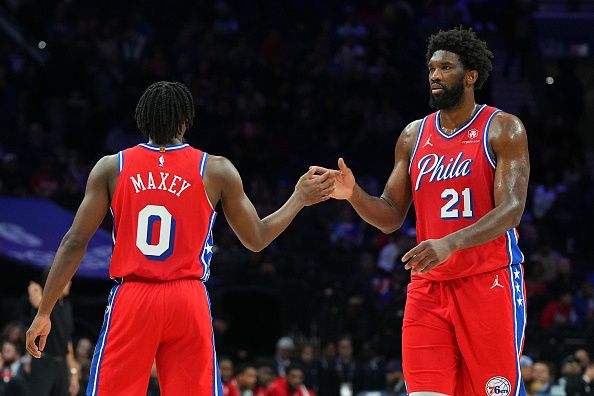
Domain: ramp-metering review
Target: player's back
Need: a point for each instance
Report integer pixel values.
(162, 216)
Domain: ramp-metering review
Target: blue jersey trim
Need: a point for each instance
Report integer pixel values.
(120, 161)
(445, 135)
(203, 163)
(514, 253)
(414, 152)
(113, 229)
(486, 139)
(518, 296)
(205, 256)
(217, 383)
(167, 148)
(100, 348)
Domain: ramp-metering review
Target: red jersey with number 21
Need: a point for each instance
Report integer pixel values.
(162, 216)
(452, 187)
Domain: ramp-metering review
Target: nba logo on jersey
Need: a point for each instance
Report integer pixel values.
(161, 161)
(499, 386)
(472, 134)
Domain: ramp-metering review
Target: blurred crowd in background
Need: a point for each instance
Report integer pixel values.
(279, 86)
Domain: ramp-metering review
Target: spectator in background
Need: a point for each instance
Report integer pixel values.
(284, 352)
(15, 333)
(549, 259)
(527, 371)
(583, 357)
(389, 254)
(56, 373)
(265, 374)
(345, 366)
(83, 354)
(291, 384)
(246, 381)
(371, 372)
(559, 313)
(570, 367)
(544, 381)
(395, 385)
(581, 384)
(84, 350)
(328, 378)
(310, 366)
(12, 375)
(226, 370)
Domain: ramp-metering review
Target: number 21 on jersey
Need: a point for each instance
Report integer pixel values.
(450, 210)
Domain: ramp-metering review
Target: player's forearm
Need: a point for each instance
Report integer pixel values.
(274, 224)
(489, 227)
(66, 261)
(376, 211)
(73, 366)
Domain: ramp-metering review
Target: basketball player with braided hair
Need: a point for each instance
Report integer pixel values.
(466, 169)
(162, 196)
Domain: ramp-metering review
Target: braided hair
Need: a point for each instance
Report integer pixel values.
(163, 109)
(471, 50)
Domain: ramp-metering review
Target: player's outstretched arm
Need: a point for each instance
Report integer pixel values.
(253, 232)
(508, 140)
(388, 211)
(89, 216)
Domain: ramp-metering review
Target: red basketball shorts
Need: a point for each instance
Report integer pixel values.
(464, 336)
(166, 321)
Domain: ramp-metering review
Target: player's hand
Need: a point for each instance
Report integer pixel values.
(427, 255)
(40, 327)
(74, 385)
(345, 180)
(312, 188)
(35, 293)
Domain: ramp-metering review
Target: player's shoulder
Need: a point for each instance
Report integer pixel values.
(409, 134)
(506, 126)
(218, 162)
(220, 166)
(413, 127)
(107, 164)
(105, 170)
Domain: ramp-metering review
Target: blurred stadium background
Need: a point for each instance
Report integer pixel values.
(280, 85)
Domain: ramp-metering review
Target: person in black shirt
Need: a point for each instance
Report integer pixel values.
(57, 372)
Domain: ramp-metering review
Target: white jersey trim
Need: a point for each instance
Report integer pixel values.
(414, 152)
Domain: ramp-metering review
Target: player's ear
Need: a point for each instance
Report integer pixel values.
(471, 77)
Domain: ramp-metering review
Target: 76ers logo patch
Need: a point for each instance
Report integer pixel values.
(472, 134)
(498, 386)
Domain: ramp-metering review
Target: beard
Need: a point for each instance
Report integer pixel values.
(449, 98)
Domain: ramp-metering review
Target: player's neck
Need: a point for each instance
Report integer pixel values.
(452, 119)
(172, 142)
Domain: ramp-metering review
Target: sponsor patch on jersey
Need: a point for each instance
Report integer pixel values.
(472, 137)
(498, 386)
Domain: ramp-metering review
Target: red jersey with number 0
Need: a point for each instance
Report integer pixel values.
(162, 216)
(452, 179)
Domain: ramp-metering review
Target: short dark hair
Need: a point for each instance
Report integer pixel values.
(473, 52)
(162, 109)
(243, 367)
(294, 366)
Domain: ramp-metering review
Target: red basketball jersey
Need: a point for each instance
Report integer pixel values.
(162, 216)
(452, 187)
